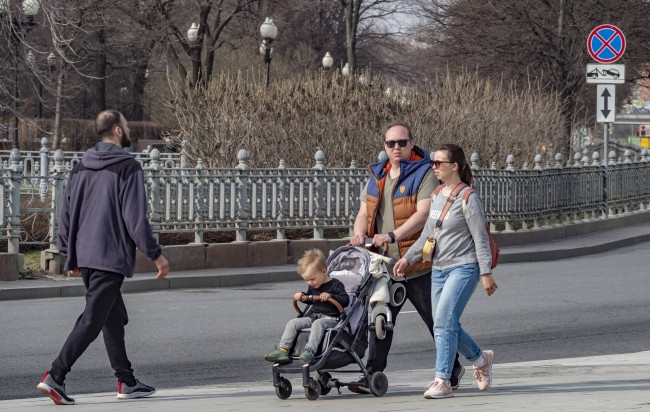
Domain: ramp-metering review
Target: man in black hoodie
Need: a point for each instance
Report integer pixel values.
(103, 219)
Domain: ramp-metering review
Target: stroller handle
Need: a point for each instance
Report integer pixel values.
(303, 298)
(386, 259)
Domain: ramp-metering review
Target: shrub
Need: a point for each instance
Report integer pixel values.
(345, 117)
(78, 134)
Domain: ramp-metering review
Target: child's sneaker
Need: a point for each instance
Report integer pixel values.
(307, 355)
(277, 355)
(484, 374)
(439, 389)
(139, 390)
(55, 391)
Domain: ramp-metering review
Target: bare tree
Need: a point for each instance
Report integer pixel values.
(522, 39)
(214, 16)
(363, 20)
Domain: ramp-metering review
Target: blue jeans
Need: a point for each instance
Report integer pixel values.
(450, 292)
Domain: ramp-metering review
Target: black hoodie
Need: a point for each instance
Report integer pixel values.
(104, 213)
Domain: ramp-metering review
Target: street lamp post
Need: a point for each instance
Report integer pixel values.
(31, 59)
(345, 71)
(16, 24)
(269, 33)
(328, 61)
(195, 53)
(123, 91)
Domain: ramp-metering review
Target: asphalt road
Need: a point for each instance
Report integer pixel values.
(598, 304)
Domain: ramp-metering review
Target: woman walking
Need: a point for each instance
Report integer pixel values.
(461, 260)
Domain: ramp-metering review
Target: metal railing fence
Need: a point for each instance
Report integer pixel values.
(202, 200)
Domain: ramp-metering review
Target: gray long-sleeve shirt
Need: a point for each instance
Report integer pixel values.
(461, 239)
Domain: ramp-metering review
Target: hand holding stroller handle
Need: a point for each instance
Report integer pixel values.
(303, 298)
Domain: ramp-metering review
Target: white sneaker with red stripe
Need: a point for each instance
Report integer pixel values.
(55, 391)
(139, 390)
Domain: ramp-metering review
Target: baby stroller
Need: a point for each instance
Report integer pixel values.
(366, 280)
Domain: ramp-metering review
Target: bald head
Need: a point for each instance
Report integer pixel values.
(106, 121)
(112, 127)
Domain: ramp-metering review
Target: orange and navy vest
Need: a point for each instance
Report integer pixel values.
(405, 197)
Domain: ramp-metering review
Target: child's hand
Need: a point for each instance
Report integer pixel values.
(297, 296)
(324, 296)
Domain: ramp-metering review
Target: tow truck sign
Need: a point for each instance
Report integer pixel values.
(606, 73)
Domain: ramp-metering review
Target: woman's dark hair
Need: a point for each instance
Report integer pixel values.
(106, 121)
(457, 155)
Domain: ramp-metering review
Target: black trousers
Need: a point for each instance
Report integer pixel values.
(104, 312)
(418, 292)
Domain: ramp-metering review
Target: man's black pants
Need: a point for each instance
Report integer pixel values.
(418, 291)
(104, 312)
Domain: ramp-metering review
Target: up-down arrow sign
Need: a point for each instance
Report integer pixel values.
(606, 107)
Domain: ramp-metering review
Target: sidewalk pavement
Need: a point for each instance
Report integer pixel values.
(596, 383)
(596, 242)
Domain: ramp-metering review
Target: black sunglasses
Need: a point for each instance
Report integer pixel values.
(391, 143)
(436, 163)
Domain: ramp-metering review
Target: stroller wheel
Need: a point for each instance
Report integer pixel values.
(380, 324)
(312, 390)
(284, 389)
(323, 379)
(397, 294)
(378, 383)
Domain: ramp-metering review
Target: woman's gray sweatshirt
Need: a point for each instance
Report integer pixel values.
(461, 239)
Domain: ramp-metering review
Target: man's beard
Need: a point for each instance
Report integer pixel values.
(125, 141)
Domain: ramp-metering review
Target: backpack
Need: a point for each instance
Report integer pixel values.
(494, 246)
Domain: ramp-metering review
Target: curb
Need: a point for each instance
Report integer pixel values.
(563, 253)
(232, 277)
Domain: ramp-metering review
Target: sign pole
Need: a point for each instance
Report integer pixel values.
(606, 174)
(606, 44)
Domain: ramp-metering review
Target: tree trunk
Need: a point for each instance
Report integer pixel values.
(58, 116)
(100, 83)
(140, 79)
(352, 6)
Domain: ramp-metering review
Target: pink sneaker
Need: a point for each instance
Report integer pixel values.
(439, 389)
(484, 374)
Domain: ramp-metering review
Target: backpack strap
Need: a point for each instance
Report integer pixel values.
(450, 200)
(465, 197)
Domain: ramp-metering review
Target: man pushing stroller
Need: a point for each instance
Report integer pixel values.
(312, 267)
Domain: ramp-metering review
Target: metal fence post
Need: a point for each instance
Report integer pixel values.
(318, 195)
(511, 198)
(152, 175)
(13, 245)
(281, 199)
(608, 182)
(51, 259)
(354, 182)
(243, 211)
(45, 167)
(195, 206)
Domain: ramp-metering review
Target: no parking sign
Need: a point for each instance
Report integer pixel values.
(606, 43)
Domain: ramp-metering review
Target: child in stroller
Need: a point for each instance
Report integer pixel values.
(327, 297)
(345, 342)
